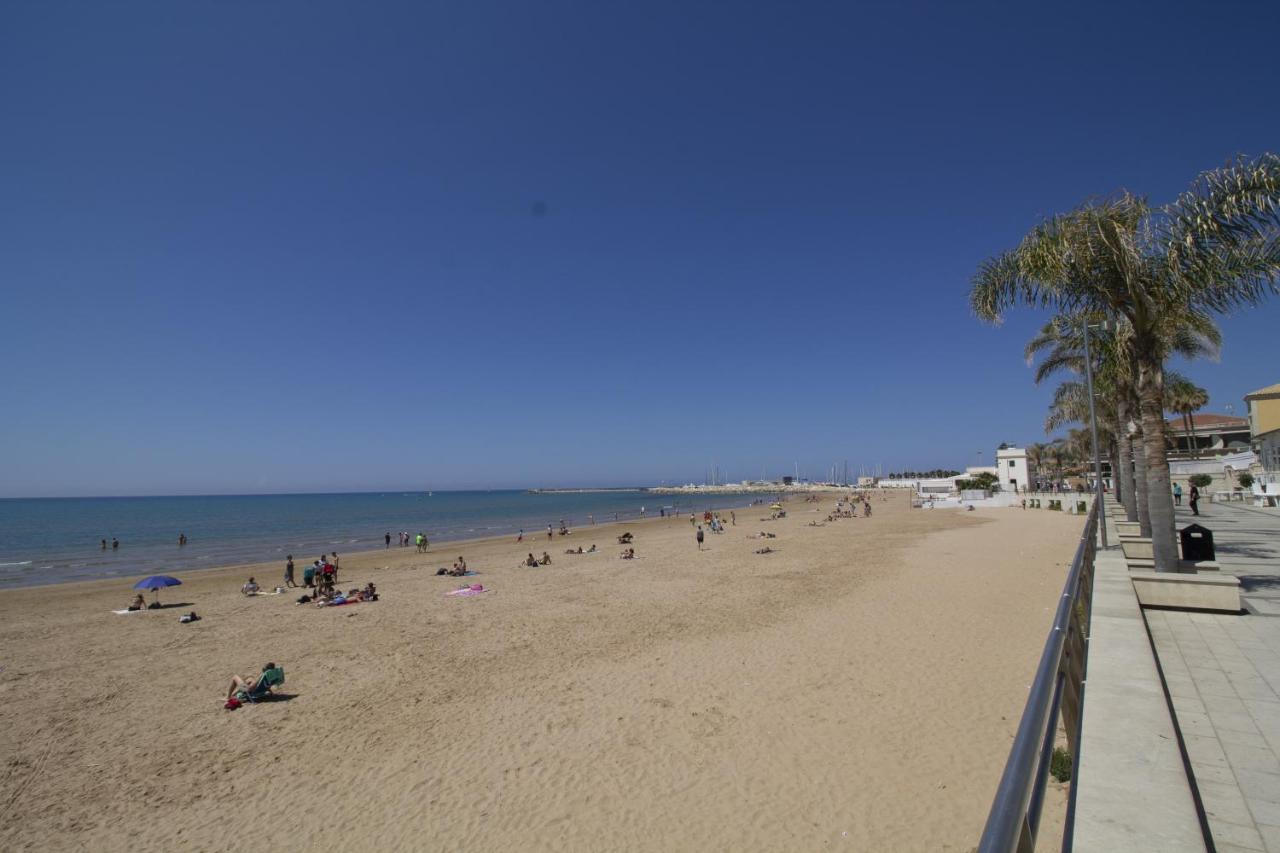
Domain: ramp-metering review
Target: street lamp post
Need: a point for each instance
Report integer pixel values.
(1093, 427)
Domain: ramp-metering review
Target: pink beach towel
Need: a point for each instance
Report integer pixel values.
(474, 589)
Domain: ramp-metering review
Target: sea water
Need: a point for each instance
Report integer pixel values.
(54, 540)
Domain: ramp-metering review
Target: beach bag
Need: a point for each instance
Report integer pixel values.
(232, 704)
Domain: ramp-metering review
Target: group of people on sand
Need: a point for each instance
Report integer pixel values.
(533, 562)
(115, 544)
(322, 575)
(332, 598)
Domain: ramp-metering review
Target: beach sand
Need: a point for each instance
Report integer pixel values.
(858, 689)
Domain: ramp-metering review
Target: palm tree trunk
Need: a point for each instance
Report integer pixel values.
(1164, 540)
(1143, 512)
(1122, 464)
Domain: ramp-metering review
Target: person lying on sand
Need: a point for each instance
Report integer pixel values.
(592, 549)
(256, 687)
(139, 603)
(765, 550)
(546, 559)
(629, 554)
(250, 588)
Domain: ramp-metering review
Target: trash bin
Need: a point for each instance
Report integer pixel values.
(1197, 543)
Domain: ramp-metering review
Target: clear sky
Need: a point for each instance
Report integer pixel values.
(272, 246)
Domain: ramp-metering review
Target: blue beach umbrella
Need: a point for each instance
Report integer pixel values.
(156, 582)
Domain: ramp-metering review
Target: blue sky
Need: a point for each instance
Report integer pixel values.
(269, 246)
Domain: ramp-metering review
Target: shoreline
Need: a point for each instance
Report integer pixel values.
(351, 560)
(257, 551)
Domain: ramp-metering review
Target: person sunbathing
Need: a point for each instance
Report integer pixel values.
(250, 588)
(257, 687)
(546, 559)
(592, 549)
(629, 554)
(139, 603)
(765, 550)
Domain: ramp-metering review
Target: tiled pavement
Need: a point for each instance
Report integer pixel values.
(1223, 674)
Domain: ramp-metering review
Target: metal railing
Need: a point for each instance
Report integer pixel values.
(1058, 690)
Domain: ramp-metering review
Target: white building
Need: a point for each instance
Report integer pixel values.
(1012, 469)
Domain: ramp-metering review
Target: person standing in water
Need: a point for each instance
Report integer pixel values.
(104, 544)
(388, 538)
(115, 544)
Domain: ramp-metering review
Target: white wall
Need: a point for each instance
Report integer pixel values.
(1011, 464)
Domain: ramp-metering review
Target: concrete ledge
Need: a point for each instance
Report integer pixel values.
(1185, 567)
(1187, 592)
(1129, 528)
(1132, 791)
(1137, 547)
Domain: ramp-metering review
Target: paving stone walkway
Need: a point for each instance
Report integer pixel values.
(1223, 675)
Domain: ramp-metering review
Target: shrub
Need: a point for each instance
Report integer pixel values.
(1200, 480)
(1060, 764)
(1245, 480)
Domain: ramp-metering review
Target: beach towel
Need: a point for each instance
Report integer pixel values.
(260, 592)
(122, 612)
(474, 589)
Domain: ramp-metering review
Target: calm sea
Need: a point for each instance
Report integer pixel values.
(54, 540)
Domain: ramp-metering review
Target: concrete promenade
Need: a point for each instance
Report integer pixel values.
(1223, 676)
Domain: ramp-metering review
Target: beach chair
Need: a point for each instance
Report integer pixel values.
(262, 687)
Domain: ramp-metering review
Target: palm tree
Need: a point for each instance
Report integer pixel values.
(1061, 342)
(1185, 398)
(1035, 461)
(1216, 247)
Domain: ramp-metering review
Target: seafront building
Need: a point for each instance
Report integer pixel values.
(1264, 426)
(1206, 434)
(1013, 469)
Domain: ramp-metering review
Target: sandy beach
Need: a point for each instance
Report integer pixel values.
(857, 689)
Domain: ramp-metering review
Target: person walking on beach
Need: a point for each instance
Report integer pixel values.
(520, 535)
(388, 538)
(1195, 499)
(288, 573)
(700, 537)
(549, 533)
(592, 519)
(1177, 494)
(335, 565)
(733, 518)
